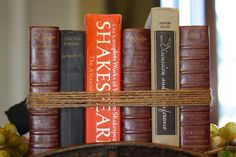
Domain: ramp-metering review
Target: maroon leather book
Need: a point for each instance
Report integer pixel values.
(136, 121)
(44, 77)
(194, 74)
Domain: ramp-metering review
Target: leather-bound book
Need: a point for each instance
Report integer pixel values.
(136, 73)
(44, 77)
(71, 80)
(194, 74)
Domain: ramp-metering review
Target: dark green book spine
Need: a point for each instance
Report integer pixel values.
(71, 80)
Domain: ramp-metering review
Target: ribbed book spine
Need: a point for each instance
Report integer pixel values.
(194, 74)
(72, 52)
(103, 73)
(44, 77)
(136, 73)
(164, 72)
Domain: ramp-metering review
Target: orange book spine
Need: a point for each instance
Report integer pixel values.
(103, 73)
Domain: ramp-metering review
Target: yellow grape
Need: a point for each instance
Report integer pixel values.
(2, 139)
(13, 140)
(23, 148)
(4, 153)
(232, 141)
(11, 143)
(214, 130)
(225, 153)
(230, 130)
(217, 142)
(221, 131)
(10, 128)
(3, 131)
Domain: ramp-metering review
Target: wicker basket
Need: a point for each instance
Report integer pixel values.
(122, 149)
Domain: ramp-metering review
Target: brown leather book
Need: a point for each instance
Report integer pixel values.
(136, 121)
(194, 74)
(44, 77)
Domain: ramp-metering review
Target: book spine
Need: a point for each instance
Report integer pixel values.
(103, 73)
(194, 74)
(136, 73)
(44, 77)
(71, 80)
(164, 72)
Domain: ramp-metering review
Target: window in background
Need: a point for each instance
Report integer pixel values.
(225, 27)
(192, 12)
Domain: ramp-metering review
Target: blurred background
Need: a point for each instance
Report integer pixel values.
(17, 15)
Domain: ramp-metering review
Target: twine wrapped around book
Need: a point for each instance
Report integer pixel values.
(120, 98)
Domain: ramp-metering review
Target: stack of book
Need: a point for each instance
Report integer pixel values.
(106, 57)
